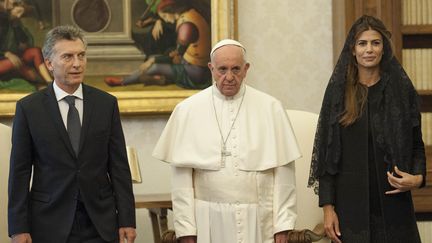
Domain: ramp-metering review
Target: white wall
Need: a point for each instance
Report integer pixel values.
(142, 134)
(289, 45)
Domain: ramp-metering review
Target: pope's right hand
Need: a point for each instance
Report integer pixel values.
(22, 238)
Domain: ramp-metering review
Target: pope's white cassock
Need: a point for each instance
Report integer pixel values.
(245, 193)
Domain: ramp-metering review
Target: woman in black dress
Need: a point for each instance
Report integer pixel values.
(368, 153)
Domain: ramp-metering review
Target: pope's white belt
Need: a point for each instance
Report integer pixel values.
(233, 189)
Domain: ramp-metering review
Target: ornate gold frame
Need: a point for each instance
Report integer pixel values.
(224, 19)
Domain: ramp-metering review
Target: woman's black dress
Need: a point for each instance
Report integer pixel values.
(365, 212)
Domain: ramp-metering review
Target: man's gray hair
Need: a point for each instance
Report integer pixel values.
(58, 33)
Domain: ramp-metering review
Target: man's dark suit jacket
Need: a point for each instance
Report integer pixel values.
(100, 172)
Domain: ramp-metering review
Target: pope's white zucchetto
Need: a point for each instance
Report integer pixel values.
(226, 42)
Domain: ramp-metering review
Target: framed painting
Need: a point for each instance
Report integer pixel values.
(130, 45)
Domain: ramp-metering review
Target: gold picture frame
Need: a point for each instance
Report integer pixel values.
(223, 25)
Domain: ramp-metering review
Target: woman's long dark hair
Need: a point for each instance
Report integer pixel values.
(356, 93)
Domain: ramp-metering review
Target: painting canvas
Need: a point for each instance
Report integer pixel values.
(150, 54)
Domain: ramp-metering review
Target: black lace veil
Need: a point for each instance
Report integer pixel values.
(398, 103)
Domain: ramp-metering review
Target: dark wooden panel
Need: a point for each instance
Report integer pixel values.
(425, 100)
(422, 199)
(417, 41)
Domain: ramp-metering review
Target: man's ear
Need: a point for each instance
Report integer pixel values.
(48, 64)
(210, 66)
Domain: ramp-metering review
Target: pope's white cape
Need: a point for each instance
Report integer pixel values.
(191, 137)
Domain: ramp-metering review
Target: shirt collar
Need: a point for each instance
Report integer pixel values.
(219, 95)
(60, 94)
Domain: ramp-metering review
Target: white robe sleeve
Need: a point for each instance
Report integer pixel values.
(182, 196)
(284, 198)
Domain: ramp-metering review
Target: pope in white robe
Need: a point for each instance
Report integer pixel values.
(231, 148)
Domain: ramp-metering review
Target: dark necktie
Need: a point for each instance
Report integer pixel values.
(73, 123)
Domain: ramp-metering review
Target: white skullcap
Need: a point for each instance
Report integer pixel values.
(225, 42)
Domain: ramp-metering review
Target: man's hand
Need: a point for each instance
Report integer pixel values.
(404, 183)
(22, 238)
(188, 239)
(281, 237)
(331, 223)
(127, 233)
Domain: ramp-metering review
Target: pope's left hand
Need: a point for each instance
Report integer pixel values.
(127, 234)
(281, 237)
(405, 183)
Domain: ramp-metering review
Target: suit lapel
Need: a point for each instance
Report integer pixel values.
(87, 112)
(51, 104)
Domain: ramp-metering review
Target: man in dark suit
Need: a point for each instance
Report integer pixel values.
(71, 136)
